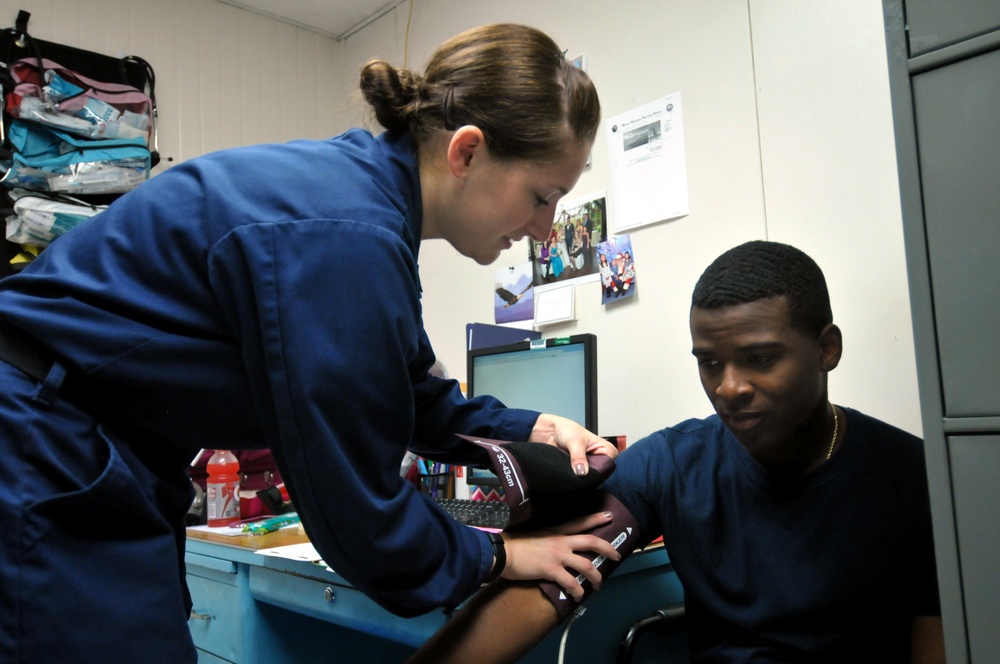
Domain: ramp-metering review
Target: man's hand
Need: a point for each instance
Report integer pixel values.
(570, 436)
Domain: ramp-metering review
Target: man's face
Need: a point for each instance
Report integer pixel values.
(766, 379)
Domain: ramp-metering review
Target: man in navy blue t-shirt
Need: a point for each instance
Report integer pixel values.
(800, 529)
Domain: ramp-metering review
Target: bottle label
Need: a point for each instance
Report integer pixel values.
(222, 501)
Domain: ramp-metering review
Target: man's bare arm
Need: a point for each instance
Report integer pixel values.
(500, 623)
(927, 646)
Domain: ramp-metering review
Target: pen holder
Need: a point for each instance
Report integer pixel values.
(438, 485)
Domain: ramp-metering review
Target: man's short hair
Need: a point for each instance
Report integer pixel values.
(759, 270)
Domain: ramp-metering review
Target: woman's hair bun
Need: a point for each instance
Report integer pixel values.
(394, 94)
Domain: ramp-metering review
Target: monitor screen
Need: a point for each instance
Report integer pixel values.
(557, 375)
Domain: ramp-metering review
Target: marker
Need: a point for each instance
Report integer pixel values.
(270, 525)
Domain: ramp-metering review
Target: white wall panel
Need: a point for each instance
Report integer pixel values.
(829, 166)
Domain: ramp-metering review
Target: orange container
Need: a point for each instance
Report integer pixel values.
(222, 489)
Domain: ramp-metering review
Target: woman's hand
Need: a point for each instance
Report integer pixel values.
(554, 554)
(570, 436)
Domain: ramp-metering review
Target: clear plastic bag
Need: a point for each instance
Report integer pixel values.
(46, 159)
(38, 218)
(64, 99)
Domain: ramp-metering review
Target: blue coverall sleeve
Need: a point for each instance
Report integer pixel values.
(329, 321)
(442, 411)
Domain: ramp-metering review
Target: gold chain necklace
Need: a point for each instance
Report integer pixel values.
(836, 426)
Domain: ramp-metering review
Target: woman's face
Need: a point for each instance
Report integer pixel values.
(502, 202)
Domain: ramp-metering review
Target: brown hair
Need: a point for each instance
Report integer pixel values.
(510, 81)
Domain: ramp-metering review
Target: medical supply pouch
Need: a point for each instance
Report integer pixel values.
(50, 94)
(48, 91)
(75, 91)
(38, 218)
(45, 159)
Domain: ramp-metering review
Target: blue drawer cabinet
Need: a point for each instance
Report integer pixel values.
(215, 622)
(322, 597)
(254, 609)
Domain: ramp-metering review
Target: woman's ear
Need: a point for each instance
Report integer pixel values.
(467, 143)
(831, 347)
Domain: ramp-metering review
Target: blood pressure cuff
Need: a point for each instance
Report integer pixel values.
(539, 486)
(624, 534)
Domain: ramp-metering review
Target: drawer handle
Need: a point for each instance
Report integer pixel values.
(200, 616)
(328, 595)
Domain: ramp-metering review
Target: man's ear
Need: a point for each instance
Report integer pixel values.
(467, 143)
(831, 347)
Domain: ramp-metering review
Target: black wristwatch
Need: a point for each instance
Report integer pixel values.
(500, 556)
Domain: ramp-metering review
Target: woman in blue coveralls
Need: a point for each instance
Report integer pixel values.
(207, 309)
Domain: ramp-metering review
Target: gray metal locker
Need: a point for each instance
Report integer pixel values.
(944, 77)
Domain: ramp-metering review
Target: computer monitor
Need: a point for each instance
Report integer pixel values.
(556, 375)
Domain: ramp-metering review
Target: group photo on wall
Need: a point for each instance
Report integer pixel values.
(571, 249)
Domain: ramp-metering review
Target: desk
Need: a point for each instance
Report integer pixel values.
(251, 609)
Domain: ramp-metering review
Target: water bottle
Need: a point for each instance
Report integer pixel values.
(222, 489)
